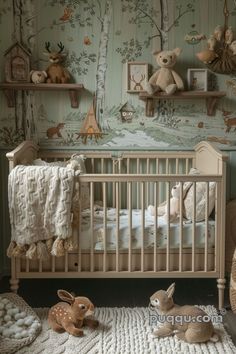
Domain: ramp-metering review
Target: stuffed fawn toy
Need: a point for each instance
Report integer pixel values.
(71, 315)
(194, 330)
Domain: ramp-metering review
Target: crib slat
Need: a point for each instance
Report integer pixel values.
(168, 229)
(92, 226)
(187, 166)
(79, 251)
(102, 165)
(217, 225)
(130, 225)
(53, 264)
(105, 226)
(147, 184)
(206, 227)
(117, 225)
(113, 184)
(66, 262)
(194, 227)
(167, 166)
(181, 228)
(40, 266)
(138, 195)
(27, 268)
(177, 166)
(142, 223)
(155, 226)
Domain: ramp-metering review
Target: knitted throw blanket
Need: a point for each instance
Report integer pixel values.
(41, 210)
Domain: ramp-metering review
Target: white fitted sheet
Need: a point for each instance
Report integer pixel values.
(149, 236)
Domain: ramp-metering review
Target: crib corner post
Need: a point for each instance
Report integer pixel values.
(221, 287)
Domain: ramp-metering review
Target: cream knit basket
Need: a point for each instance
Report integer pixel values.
(232, 291)
(11, 345)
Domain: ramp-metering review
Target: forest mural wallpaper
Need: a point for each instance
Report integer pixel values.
(100, 37)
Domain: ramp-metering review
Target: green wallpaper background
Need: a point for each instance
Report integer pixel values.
(127, 30)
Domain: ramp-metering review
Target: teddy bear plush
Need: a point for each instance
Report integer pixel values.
(165, 79)
(38, 77)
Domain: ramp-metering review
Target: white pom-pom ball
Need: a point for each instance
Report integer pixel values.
(9, 323)
(5, 301)
(18, 336)
(1, 306)
(20, 322)
(28, 321)
(24, 334)
(9, 306)
(7, 318)
(7, 332)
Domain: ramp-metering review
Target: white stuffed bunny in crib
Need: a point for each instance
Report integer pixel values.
(174, 205)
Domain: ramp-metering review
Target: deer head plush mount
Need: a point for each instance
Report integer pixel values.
(56, 72)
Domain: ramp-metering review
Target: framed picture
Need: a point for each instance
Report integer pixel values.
(137, 76)
(197, 79)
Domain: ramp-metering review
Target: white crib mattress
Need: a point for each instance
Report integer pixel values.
(149, 236)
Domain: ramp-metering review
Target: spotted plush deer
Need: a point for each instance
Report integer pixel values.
(137, 86)
(55, 71)
(72, 314)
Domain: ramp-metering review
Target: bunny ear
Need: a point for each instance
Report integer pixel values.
(65, 296)
(170, 291)
(177, 51)
(155, 52)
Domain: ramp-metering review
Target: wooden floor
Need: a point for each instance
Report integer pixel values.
(124, 292)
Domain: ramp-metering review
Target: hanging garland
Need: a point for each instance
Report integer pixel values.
(220, 56)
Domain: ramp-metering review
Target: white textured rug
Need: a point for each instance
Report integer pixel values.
(122, 331)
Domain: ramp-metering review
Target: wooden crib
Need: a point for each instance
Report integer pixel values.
(128, 182)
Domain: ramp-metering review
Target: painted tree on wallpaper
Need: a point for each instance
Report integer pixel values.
(95, 9)
(25, 109)
(142, 13)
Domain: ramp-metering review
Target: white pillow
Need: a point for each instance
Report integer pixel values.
(201, 200)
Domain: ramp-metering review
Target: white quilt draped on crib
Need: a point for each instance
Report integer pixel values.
(41, 200)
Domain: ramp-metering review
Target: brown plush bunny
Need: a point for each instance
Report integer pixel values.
(71, 315)
(189, 323)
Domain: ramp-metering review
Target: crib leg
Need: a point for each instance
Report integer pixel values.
(221, 287)
(14, 285)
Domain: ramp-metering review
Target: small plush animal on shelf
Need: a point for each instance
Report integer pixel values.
(189, 323)
(165, 79)
(55, 71)
(71, 315)
(174, 205)
(38, 77)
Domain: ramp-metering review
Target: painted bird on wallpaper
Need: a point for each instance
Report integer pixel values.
(87, 40)
(67, 14)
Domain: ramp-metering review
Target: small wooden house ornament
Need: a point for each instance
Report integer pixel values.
(127, 112)
(90, 127)
(17, 64)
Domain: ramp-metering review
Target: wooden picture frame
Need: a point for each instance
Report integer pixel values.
(197, 79)
(137, 77)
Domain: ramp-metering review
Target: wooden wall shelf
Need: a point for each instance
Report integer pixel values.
(10, 88)
(211, 98)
